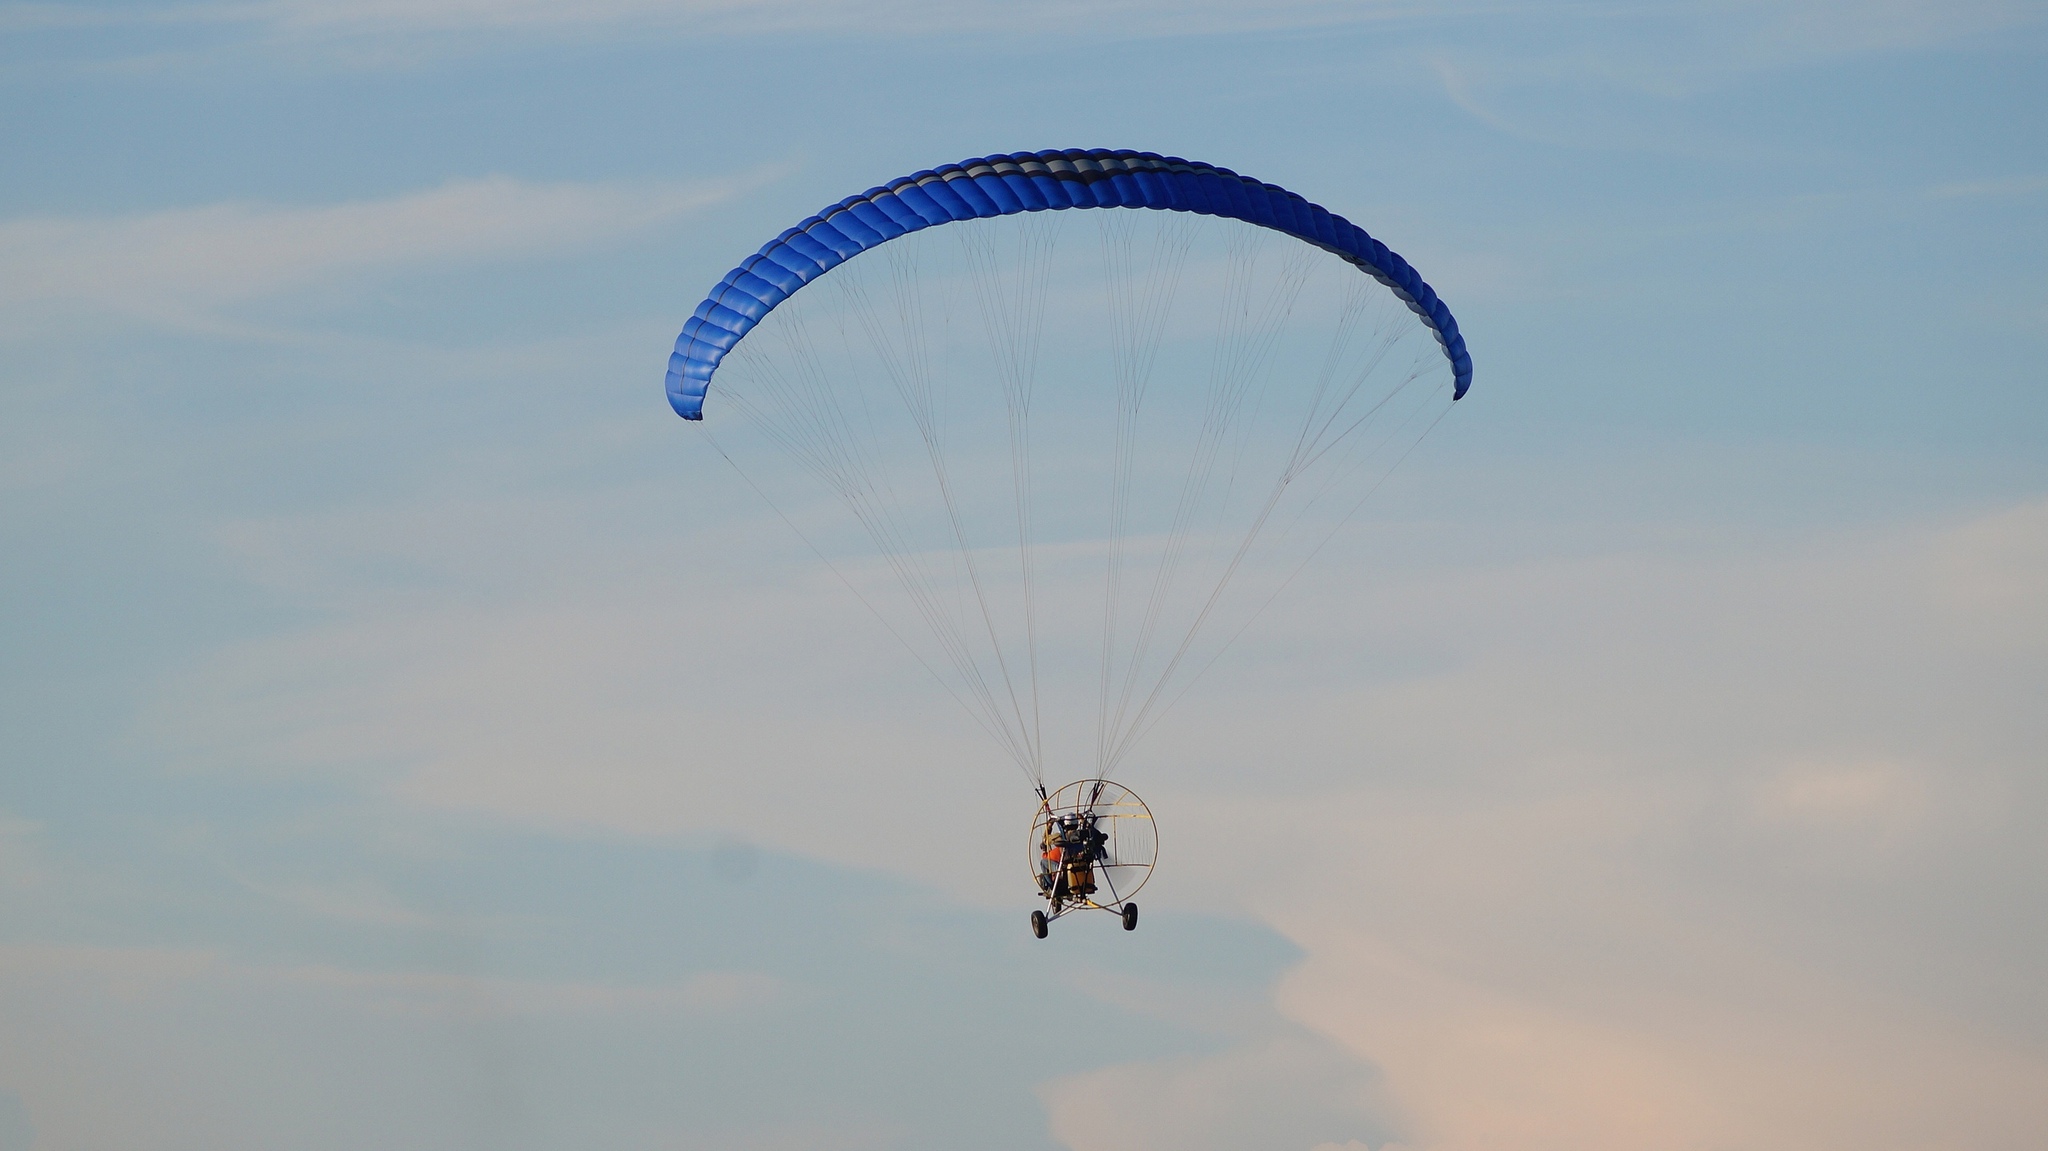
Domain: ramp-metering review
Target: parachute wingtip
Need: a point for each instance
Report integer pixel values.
(690, 407)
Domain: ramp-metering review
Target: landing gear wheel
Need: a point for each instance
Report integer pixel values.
(1038, 923)
(1130, 917)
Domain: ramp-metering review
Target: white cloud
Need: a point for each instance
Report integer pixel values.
(437, 993)
(1683, 845)
(188, 267)
(180, 1049)
(134, 974)
(353, 902)
(1475, 1067)
(1991, 579)
(1674, 852)
(1835, 795)
(1284, 1091)
(661, 695)
(1505, 1062)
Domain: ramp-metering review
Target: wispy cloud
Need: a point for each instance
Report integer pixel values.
(1834, 24)
(1598, 846)
(1502, 56)
(185, 268)
(1286, 1089)
(1877, 25)
(1802, 27)
(441, 993)
(358, 901)
(1657, 48)
(1834, 794)
(324, 18)
(143, 972)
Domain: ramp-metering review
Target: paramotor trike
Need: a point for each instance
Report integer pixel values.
(1093, 844)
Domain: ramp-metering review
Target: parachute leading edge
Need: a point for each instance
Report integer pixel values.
(1027, 182)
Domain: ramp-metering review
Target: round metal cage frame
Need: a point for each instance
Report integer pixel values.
(1129, 848)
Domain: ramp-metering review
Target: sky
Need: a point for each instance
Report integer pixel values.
(412, 737)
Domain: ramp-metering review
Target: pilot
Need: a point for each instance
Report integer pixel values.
(1083, 846)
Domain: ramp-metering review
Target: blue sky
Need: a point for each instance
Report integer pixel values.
(411, 737)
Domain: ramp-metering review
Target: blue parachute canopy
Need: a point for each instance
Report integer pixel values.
(1026, 182)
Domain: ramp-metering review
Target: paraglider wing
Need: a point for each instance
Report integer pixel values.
(1026, 182)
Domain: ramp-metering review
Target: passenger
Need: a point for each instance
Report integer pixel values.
(1052, 880)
